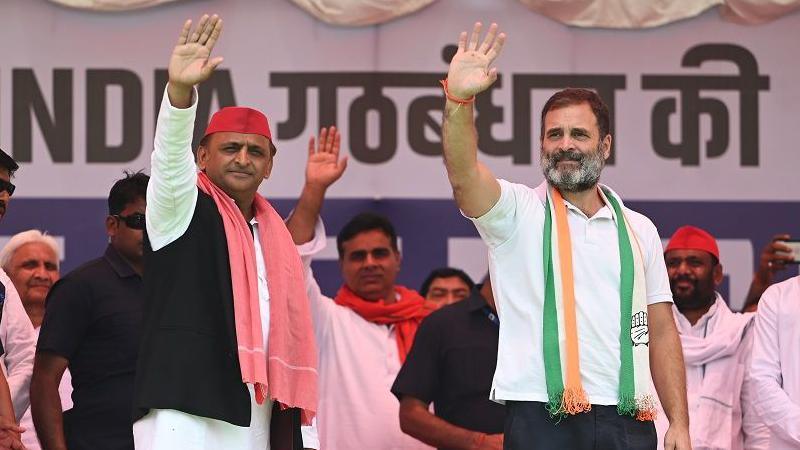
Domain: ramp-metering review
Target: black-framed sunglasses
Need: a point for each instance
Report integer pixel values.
(7, 186)
(134, 221)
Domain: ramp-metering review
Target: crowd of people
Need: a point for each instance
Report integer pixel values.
(202, 325)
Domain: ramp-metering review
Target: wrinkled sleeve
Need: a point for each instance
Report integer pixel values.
(756, 433)
(172, 190)
(771, 402)
(19, 342)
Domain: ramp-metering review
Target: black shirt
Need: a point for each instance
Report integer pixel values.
(93, 319)
(452, 363)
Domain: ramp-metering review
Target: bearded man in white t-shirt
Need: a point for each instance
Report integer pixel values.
(580, 283)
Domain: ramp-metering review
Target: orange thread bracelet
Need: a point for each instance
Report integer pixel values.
(452, 98)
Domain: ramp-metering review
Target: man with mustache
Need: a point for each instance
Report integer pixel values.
(31, 259)
(227, 358)
(364, 333)
(579, 280)
(91, 326)
(717, 345)
(17, 339)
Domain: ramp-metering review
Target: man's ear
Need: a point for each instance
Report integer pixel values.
(718, 274)
(607, 146)
(202, 157)
(111, 226)
(269, 168)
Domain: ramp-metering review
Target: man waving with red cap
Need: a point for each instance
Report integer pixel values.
(227, 357)
(717, 344)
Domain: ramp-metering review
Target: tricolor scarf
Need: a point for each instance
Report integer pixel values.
(406, 313)
(287, 369)
(564, 388)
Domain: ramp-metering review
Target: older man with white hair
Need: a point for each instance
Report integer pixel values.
(31, 260)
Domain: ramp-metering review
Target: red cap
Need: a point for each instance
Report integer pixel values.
(239, 119)
(692, 238)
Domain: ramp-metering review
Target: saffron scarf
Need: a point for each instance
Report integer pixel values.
(406, 313)
(564, 388)
(287, 369)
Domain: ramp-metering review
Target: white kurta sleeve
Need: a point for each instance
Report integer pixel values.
(319, 310)
(771, 402)
(756, 433)
(172, 190)
(321, 306)
(19, 343)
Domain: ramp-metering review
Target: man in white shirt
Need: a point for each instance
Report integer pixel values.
(579, 280)
(17, 340)
(366, 330)
(774, 373)
(31, 259)
(717, 345)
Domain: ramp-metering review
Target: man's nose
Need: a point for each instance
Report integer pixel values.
(242, 157)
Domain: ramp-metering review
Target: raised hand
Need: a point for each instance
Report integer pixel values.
(774, 257)
(190, 63)
(324, 166)
(469, 71)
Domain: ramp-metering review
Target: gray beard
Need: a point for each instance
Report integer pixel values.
(584, 177)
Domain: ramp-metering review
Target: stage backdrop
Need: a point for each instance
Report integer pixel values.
(704, 113)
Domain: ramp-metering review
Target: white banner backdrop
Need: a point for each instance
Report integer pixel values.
(703, 109)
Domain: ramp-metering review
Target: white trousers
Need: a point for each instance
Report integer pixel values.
(167, 429)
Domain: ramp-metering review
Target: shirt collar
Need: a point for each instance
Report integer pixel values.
(605, 212)
(118, 263)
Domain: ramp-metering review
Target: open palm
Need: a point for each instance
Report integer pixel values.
(190, 63)
(324, 166)
(469, 71)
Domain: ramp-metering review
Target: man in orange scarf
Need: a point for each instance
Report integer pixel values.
(365, 332)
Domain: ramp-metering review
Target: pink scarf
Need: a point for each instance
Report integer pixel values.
(287, 370)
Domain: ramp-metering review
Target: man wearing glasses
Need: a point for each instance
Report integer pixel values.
(17, 339)
(92, 325)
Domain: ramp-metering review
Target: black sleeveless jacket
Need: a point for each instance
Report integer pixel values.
(188, 354)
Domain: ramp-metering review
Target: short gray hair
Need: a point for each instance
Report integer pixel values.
(27, 237)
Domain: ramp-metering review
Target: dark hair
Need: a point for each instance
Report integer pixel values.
(574, 96)
(362, 222)
(126, 191)
(8, 163)
(445, 272)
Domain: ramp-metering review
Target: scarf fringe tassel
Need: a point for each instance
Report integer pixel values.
(642, 409)
(570, 401)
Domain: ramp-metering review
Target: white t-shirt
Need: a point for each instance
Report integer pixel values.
(513, 231)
